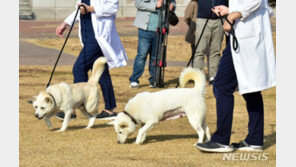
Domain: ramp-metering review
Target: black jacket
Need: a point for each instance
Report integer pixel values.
(205, 6)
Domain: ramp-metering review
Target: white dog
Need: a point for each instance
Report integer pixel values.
(150, 108)
(66, 97)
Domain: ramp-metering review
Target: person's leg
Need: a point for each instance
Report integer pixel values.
(79, 70)
(94, 52)
(91, 54)
(224, 85)
(107, 89)
(192, 50)
(152, 53)
(215, 47)
(198, 61)
(144, 43)
(256, 118)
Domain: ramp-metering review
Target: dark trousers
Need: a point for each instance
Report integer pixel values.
(193, 50)
(224, 86)
(87, 57)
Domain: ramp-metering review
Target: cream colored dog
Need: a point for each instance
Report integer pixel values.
(66, 97)
(150, 108)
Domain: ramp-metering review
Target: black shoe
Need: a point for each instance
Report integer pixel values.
(61, 115)
(106, 116)
(244, 146)
(214, 147)
(211, 82)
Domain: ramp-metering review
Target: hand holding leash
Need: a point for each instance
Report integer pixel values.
(59, 32)
(223, 12)
(84, 8)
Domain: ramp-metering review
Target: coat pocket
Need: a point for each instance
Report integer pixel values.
(245, 29)
(105, 28)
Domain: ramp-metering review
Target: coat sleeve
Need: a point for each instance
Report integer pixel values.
(70, 18)
(189, 14)
(247, 8)
(146, 5)
(109, 8)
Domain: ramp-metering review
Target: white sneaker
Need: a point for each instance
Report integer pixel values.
(152, 86)
(134, 85)
(244, 146)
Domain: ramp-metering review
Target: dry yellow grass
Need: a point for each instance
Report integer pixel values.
(170, 143)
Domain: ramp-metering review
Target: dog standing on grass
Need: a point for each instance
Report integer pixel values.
(150, 108)
(66, 97)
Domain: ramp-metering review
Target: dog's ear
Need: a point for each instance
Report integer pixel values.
(32, 100)
(47, 100)
(123, 125)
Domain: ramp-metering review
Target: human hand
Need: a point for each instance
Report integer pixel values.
(221, 10)
(88, 8)
(227, 26)
(172, 7)
(60, 30)
(231, 17)
(159, 3)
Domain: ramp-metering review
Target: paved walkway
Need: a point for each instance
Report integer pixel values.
(31, 54)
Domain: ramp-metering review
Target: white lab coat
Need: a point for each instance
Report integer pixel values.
(103, 21)
(254, 61)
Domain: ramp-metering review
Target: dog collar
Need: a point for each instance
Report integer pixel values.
(132, 118)
(54, 101)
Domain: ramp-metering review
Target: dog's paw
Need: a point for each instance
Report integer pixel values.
(87, 127)
(60, 130)
(111, 123)
(138, 142)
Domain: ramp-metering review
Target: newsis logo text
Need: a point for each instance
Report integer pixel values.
(245, 157)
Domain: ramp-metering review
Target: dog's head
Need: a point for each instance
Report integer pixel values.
(124, 126)
(43, 104)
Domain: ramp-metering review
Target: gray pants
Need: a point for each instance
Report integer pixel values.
(212, 40)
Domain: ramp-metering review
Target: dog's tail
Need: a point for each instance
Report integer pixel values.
(196, 75)
(98, 68)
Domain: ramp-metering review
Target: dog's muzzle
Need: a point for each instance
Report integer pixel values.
(37, 116)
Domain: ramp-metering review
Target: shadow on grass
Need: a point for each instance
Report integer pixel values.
(173, 82)
(167, 84)
(161, 138)
(83, 127)
(270, 140)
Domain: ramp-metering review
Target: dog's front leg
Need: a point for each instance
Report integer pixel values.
(48, 123)
(142, 132)
(66, 121)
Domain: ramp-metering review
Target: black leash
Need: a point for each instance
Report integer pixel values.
(55, 65)
(234, 41)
